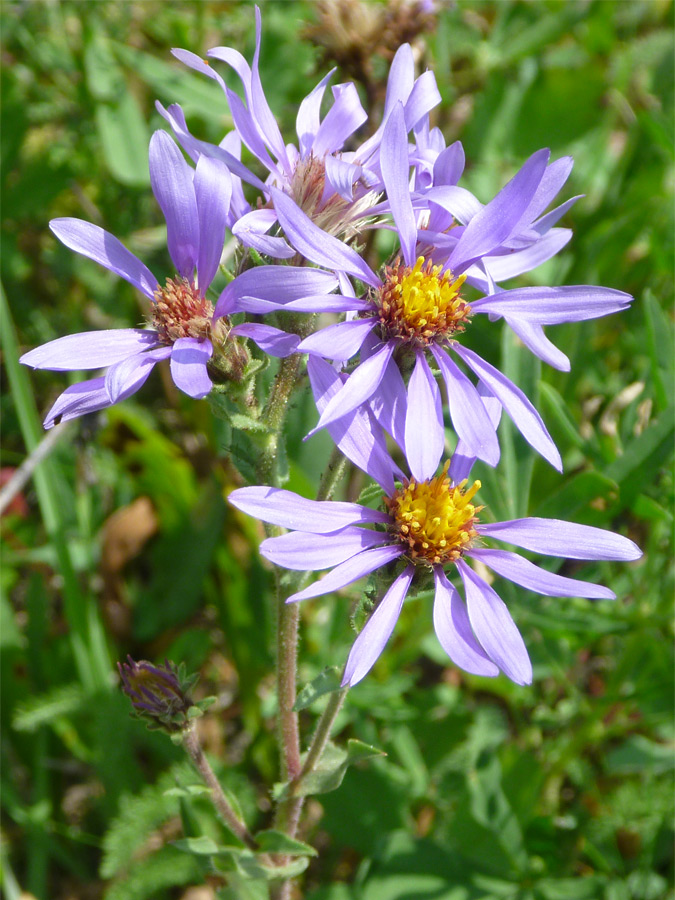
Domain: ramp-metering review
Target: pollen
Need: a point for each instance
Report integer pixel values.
(421, 304)
(180, 310)
(434, 519)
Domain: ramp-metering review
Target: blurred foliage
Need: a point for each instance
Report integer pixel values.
(561, 791)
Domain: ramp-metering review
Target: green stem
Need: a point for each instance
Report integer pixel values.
(237, 827)
(314, 754)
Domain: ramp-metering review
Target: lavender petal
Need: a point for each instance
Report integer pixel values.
(77, 400)
(213, 191)
(279, 507)
(273, 341)
(90, 349)
(356, 434)
(468, 414)
(554, 305)
(453, 630)
(377, 631)
(349, 571)
(495, 629)
(516, 404)
(523, 572)
(275, 283)
(395, 163)
(340, 341)
(301, 551)
(101, 246)
(189, 357)
(341, 121)
(127, 376)
(424, 431)
(319, 247)
(555, 537)
(171, 180)
(535, 340)
(360, 385)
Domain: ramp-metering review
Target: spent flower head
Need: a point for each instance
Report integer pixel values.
(160, 695)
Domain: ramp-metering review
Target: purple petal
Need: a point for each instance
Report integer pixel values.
(341, 176)
(463, 458)
(453, 630)
(424, 431)
(460, 203)
(341, 121)
(377, 630)
(189, 357)
(192, 61)
(101, 246)
(171, 180)
(516, 404)
(289, 510)
(245, 230)
(525, 573)
(259, 106)
(340, 341)
(90, 350)
(360, 385)
(400, 80)
(308, 118)
(501, 268)
(349, 571)
(275, 283)
(424, 96)
(127, 376)
(468, 414)
(552, 180)
(249, 131)
(449, 164)
(495, 223)
(390, 404)
(302, 551)
(394, 159)
(356, 434)
(272, 340)
(213, 191)
(495, 629)
(535, 340)
(319, 247)
(555, 537)
(554, 305)
(195, 148)
(77, 400)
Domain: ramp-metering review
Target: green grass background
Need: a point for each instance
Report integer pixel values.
(560, 791)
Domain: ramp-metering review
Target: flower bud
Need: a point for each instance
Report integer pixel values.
(159, 694)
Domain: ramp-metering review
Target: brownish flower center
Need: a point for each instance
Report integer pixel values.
(421, 304)
(434, 519)
(181, 311)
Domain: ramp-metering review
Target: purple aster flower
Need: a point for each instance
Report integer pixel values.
(423, 527)
(337, 189)
(417, 311)
(185, 328)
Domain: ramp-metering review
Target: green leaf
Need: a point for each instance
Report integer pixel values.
(124, 137)
(326, 682)
(201, 846)
(190, 790)
(330, 770)
(37, 711)
(248, 864)
(638, 754)
(582, 498)
(272, 841)
(105, 79)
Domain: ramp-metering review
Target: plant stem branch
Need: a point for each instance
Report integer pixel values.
(237, 827)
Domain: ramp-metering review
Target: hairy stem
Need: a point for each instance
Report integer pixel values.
(237, 827)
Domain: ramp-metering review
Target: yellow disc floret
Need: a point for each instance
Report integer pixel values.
(421, 304)
(434, 519)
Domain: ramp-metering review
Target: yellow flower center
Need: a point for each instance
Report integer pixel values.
(180, 310)
(421, 304)
(434, 519)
